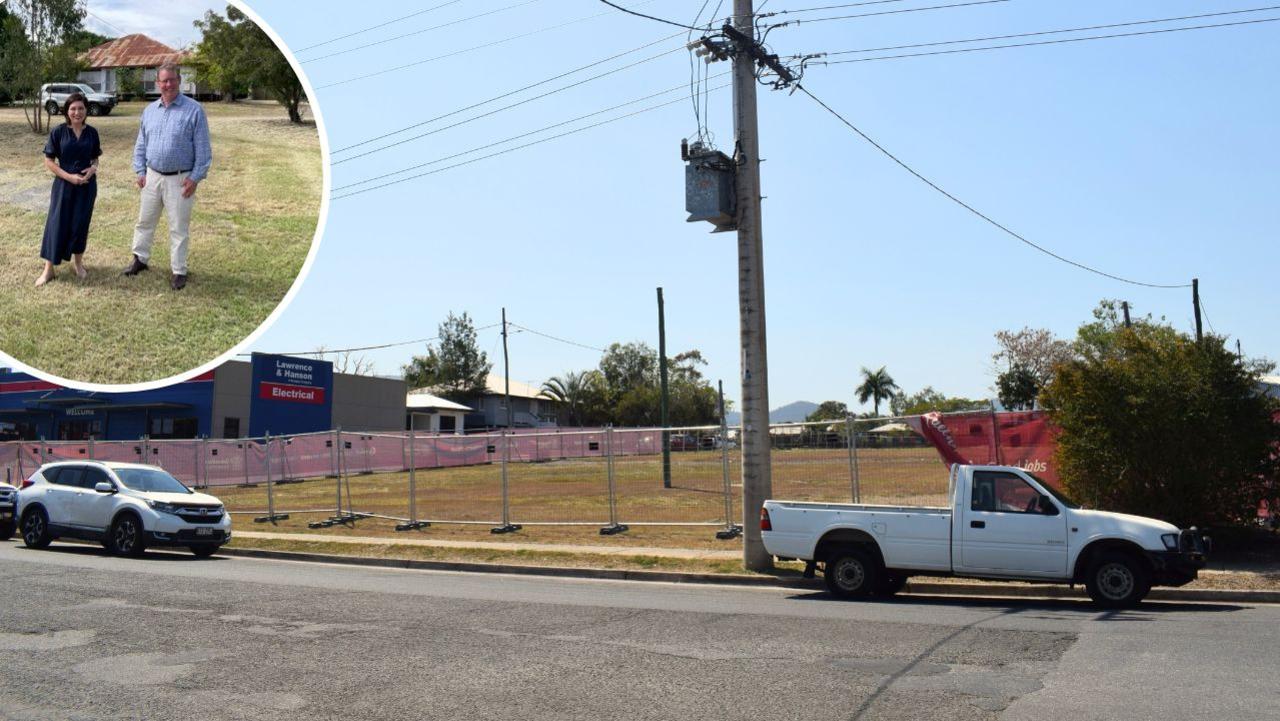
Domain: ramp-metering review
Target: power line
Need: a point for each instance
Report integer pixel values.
(104, 22)
(379, 25)
(970, 208)
(503, 108)
(506, 94)
(830, 7)
(511, 150)
(516, 137)
(1048, 42)
(648, 17)
(897, 12)
(1047, 32)
(554, 338)
(415, 341)
(473, 48)
(419, 32)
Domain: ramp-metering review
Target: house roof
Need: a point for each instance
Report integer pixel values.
(131, 51)
(420, 399)
(496, 385)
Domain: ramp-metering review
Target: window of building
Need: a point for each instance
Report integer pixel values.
(230, 427)
(174, 427)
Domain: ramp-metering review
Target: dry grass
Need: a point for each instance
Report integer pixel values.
(251, 229)
(576, 492)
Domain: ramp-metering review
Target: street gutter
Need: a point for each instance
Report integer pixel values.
(921, 588)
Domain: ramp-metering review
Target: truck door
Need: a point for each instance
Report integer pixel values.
(1006, 530)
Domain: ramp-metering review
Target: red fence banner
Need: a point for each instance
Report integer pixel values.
(1012, 438)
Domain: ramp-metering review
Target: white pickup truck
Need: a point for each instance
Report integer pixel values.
(1003, 523)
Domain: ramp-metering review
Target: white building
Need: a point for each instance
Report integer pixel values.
(135, 51)
(432, 414)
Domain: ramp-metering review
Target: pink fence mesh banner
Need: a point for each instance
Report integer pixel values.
(1016, 438)
(368, 453)
(309, 456)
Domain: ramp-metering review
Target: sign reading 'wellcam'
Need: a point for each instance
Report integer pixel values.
(290, 395)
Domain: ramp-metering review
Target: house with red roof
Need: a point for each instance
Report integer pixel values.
(137, 51)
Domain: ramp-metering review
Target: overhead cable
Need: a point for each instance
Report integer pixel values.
(899, 12)
(975, 211)
(419, 32)
(392, 21)
(415, 341)
(648, 17)
(510, 139)
(507, 94)
(495, 111)
(554, 338)
(513, 149)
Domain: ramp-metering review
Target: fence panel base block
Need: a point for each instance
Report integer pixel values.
(272, 518)
(416, 525)
(509, 528)
(614, 529)
(729, 533)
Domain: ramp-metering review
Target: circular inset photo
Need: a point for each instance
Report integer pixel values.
(163, 185)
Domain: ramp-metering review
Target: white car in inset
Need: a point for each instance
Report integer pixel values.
(8, 503)
(125, 506)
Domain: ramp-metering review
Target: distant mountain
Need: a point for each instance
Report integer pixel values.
(790, 413)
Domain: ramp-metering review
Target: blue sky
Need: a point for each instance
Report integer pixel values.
(1151, 157)
(168, 21)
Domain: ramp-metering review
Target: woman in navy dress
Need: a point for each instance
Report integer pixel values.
(76, 147)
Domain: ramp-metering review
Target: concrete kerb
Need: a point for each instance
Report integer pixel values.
(994, 590)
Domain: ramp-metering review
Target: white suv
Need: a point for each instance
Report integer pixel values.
(125, 506)
(54, 95)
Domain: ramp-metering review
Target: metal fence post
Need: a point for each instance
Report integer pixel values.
(731, 529)
(244, 462)
(614, 527)
(413, 523)
(854, 481)
(342, 458)
(507, 526)
(146, 448)
(204, 455)
(271, 493)
(90, 447)
(42, 454)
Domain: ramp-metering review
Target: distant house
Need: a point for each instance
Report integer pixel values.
(432, 414)
(137, 51)
(529, 407)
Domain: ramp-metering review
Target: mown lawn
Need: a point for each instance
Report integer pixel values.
(253, 223)
(575, 491)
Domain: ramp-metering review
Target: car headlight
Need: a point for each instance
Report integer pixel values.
(162, 507)
(1170, 541)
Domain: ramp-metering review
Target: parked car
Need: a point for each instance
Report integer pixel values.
(125, 506)
(8, 508)
(54, 95)
(1003, 522)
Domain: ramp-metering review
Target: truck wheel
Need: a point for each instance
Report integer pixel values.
(851, 572)
(891, 582)
(95, 109)
(1117, 580)
(51, 107)
(126, 536)
(35, 528)
(6, 530)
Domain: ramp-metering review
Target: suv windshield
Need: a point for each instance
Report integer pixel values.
(85, 89)
(150, 480)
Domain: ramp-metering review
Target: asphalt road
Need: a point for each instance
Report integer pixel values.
(87, 636)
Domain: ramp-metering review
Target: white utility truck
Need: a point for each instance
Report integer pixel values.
(1003, 523)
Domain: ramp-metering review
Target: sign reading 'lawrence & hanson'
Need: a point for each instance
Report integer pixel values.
(291, 395)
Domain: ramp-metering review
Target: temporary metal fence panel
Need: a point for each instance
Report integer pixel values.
(181, 458)
(811, 461)
(897, 466)
(465, 485)
(696, 491)
(557, 489)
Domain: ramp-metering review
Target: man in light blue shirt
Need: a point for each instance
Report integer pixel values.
(172, 155)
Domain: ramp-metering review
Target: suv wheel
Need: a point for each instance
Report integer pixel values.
(126, 536)
(51, 107)
(1117, 580)
(95, 109)
(35, 528)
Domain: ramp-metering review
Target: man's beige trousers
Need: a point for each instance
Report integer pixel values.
(163, 193)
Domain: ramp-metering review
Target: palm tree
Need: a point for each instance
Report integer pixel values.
(573, 391)
(877, 386)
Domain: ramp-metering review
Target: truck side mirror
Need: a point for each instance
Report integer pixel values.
(1047, 507)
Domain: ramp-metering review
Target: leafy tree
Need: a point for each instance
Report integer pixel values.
(81, 40)
(234, 54)
(929, 400)
(1154, 423)
(829, 411)
(877, 386)
(456, 368)
(629, 366)
(1017, 388)
(129, 82)
(26, 64)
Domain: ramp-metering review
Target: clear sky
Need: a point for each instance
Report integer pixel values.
(1150, 157)
(168, 21)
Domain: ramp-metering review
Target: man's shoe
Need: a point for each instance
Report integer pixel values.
(178, 282)
(136, 267)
